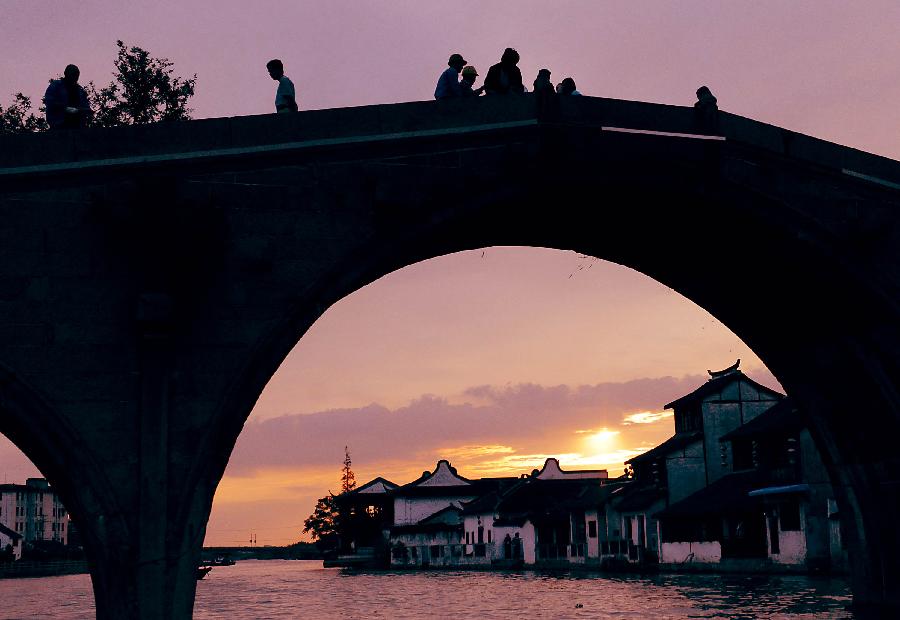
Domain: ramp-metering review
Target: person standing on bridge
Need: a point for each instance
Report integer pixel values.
(285, 96)
(66, 102)
(448, 84)
(505, 77)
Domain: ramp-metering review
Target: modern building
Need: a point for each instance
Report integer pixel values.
(33, 511)
(10, 541)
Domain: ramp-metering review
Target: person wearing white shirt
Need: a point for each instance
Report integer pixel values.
(285, 96)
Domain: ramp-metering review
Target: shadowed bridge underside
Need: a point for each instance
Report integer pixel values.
(153, 279)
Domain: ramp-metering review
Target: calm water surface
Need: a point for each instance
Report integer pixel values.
(299, 589)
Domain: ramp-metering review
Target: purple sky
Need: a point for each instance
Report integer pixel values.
(498, 360)
(823, 67)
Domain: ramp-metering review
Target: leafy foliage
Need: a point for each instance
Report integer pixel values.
(18, 117)
(327, 521)
(143, 90)
(322, 523)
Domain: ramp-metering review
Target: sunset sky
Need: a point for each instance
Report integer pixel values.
(494, 359)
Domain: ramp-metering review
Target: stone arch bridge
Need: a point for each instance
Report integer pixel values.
(153, 278)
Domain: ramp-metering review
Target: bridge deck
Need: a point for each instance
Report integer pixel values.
(34, 156)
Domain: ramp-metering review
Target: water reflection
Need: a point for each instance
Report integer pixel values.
(285, 589)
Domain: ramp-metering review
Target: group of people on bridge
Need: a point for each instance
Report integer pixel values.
(67, 104)
(503, 78)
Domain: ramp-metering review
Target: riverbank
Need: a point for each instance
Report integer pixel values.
(46, 568)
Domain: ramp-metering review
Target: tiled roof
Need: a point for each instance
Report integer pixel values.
(727, 495)
(632, 499)
(675, 442)
(387, 484)
(781, 418)
(545, 496)
(717, 384)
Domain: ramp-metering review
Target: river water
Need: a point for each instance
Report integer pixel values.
(303, 589)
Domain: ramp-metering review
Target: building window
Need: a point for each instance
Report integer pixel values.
(437, 551)
(489, 535)
(790, 516)
(742, 451)
(592, 529)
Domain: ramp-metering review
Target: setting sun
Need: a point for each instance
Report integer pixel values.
(602, 439)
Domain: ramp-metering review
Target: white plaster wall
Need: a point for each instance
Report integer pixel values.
(680, 553)
(528, 542)
(792, 546)
(553, 471)
(471, 523)
(593, 544)
(526, 534)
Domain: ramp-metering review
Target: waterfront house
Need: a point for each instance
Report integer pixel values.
(428, 529)
(547, 518)
(367, 514)
(774, 510)
(688, 461)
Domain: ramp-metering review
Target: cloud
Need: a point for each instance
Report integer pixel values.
(647, 417)
(513, 419)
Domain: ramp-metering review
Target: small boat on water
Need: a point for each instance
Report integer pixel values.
(222, 560)
(203, 571)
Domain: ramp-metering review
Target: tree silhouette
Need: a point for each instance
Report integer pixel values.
(327, 521)
(348, 480)
(143, 90)
(322, 523)
(18, 117)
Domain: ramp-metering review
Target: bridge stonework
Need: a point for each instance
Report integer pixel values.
(152, 279)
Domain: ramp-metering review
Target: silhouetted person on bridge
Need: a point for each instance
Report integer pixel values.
(285, 96)
(567, 88)
(545, 96)
(505, 77)
(448, 84)
(468, 81)
(66, 102)
(706, 109)
(542, 82)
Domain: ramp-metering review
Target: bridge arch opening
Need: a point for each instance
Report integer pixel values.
(796, 234)
(547, 298)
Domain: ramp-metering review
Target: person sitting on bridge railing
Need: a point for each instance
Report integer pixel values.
(285, 96)
(706, 109)
(468, 81)
(505, 77)
(448, 84)
(542, 83)
(66, 102)
(567, 87)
